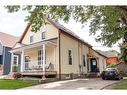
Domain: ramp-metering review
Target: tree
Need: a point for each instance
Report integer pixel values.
(111, 20)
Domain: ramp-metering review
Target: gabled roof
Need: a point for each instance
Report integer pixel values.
(64, 29)
(24, 33)
(109, 53)
(58, 26)
(100, 53)
(8, 40)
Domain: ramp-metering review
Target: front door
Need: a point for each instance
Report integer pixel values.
(93, 65)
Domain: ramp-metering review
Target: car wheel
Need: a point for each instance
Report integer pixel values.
(119, 78)
(103, 78)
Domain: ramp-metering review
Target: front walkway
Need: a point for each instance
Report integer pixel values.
(76, 84)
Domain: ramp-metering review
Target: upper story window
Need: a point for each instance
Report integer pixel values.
(43, 35)
(43, 29)
(31, 39)
(40, 57)
(70, 57)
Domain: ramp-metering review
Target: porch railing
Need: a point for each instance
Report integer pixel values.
(38, 67)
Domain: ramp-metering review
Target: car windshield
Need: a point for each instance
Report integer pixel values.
(111, 72)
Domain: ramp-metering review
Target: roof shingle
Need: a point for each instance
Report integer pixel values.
(8, 40)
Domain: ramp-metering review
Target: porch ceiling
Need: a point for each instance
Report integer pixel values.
(49, 43)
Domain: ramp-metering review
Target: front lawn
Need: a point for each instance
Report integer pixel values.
(15, 84)
(121, 85)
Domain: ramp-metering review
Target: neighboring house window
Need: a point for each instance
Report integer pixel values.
(1, 49)
(15, 60)
(31, 39)
(84, 61)
(70, 57)
(40, 57)
(43, 35)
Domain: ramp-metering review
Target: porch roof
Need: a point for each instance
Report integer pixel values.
(48, 42)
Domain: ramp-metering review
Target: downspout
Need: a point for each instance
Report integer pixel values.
(79, 59)
(59, 56)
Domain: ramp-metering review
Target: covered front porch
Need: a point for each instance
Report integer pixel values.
(37, 59)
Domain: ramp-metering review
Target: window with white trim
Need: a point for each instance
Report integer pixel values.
(43, 35)
(43, 29)
(70, 57)
(15, 60)
(40, 57)
(31, 39)
(84, 60)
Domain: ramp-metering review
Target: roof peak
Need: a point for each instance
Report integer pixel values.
(9, 34)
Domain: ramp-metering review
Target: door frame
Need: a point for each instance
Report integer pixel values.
(91, 66)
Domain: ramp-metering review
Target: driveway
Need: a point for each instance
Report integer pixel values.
(76, 84)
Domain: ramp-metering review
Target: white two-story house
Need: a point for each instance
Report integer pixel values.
(55, 51)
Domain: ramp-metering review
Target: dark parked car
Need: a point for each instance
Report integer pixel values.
(111, 73)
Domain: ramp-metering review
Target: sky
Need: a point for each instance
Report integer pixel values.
(14, 24)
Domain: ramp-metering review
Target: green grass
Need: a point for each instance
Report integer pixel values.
(121, 85)
(15, 84)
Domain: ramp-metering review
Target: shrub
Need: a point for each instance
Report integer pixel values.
(17, 75)
(112, 65)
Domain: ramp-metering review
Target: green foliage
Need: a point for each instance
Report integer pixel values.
(15, 84)
(123, 54)
(111, 20)
(121, 85)
(17, 75)
(14, 68)
(112, 65)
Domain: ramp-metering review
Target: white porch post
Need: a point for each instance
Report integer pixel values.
(22, 61)
(44, 61)
(12, 61)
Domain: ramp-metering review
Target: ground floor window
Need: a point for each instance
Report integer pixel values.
(1, 59)
(15, 63)
(15, 60)
(40, 56)
(70, 57)
(88, 63)
(27, 60)
(84, 60)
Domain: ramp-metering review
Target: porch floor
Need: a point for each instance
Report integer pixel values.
(38, 73)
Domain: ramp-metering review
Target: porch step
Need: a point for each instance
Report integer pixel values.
(93, 75)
